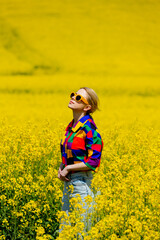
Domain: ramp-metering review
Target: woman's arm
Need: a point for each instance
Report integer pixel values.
(77, 167)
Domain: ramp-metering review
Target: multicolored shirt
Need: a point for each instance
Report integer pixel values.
(82, 143)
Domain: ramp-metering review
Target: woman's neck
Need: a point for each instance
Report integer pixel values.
(77, 116)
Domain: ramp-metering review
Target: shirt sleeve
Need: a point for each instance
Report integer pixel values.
(94, 146)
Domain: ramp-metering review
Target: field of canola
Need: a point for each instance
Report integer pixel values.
(32, 123)
(48, 49)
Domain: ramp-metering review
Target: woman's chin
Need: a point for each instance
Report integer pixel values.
(70, 105)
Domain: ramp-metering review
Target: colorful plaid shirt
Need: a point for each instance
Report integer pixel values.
(82, 143)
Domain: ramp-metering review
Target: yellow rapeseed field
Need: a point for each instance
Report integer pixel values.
(34, 116)
(48, 49)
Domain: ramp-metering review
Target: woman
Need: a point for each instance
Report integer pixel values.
(81, 148)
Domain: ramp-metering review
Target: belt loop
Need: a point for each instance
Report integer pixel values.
(69, 176)
(88, 173)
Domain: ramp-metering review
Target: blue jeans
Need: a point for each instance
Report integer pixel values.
(81, 184)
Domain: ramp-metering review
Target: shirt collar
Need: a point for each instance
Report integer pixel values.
(80, 123)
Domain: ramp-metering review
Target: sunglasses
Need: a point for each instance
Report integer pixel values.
(78, 97)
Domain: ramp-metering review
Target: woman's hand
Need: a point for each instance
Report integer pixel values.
(63, 173)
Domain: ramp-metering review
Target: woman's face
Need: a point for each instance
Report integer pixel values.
(79, 106)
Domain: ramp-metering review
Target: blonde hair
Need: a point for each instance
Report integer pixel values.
(92, 99)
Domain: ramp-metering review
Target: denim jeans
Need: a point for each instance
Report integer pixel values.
(81, 184)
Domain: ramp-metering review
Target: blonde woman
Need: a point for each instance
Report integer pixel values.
(81, 148)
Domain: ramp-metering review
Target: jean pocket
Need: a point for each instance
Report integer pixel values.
(88, 181)
(79, 187)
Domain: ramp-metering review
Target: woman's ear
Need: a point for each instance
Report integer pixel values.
(87, 108)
